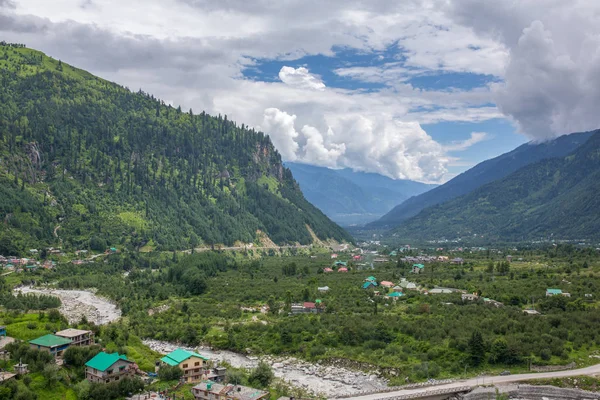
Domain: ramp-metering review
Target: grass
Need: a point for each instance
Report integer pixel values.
(58, 392)
(574, 382)
(143, 356)
(22, 326)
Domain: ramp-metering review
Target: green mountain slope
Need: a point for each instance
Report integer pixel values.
(481, 174)
(556, 197)
(85, 162)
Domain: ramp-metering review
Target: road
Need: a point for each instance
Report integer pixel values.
(486, 380)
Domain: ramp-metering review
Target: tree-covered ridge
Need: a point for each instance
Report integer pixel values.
(554, 198)
(88, 162)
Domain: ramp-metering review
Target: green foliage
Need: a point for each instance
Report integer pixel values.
(90, 164)
(262, 375)
(170, 373)
(476, 348)
(77, 356)
(555, 198)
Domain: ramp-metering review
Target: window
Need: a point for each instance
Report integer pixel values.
(196, 363)
(184, 365)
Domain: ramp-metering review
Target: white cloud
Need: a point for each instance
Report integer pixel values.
(283, 133)
(552, 77)
(300, 78)
(195, 51)
(462, 145)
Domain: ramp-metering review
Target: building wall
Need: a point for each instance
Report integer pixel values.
(93, 375)
(195, 369)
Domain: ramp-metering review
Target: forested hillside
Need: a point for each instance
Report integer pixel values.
(554, 198)
(87, 163)
(481, 174)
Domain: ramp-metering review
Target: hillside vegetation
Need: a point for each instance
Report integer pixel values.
(552, 198)
(87, 163)
(481, 174)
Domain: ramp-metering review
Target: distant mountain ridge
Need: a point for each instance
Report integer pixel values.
(552, 198)
(483, 173)
(350, 197)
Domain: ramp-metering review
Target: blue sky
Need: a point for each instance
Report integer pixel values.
(501, 135)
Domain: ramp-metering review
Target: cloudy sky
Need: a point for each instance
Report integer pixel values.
(413, 89)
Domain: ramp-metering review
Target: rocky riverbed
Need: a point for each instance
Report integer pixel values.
(317, 378)
(79, 303)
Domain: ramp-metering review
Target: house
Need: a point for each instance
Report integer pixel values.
(53, 344)
(458, 261)
(371, 279)
(78, 337)
(357, 258)
(340, 264)
(509, 258)
(491, 302)
(20, 368)
(334, 256)
(531, 312)
(553, 292)
(418, 268)
(441, 291)
(327, 269)
(109, 367)
(395, 295)
(343, 269)
(5, 376)
(442, 258)
(369, 284)
(394, 253)
(323, 289)
(195, 367)
(2, 331)
(210, 390)
(397, 289)
(387, 284)
(310, 306)
(469, 297)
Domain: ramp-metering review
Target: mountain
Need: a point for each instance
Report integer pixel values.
(481, 174)
(349, 197)
(555, 197)
(87, 163)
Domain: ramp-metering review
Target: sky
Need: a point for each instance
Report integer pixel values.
(411, 89)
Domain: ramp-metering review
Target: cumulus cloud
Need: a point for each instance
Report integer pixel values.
(300, 78)
(553, 72)
(198, 60)
(283, 133)
(462, 145)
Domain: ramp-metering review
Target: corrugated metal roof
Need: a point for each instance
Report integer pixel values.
(102, 361)
(178, 356)
(50, 341)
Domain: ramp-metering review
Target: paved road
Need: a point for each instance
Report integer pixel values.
(486, 380)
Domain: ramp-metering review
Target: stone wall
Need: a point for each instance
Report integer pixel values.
(551, 368)
(531, 392)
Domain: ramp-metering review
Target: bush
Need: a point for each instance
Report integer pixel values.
(262, 375)
(169, 373)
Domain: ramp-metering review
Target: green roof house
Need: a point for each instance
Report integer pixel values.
(108, 367)
(53, 344)
(418, 268)
(369, 284)
(395, 294)
(371, 279)
(553, 292)
(196, 367)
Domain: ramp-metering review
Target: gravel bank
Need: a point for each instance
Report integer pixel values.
(77, 303)
(320, 379)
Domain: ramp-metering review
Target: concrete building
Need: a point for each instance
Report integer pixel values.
(195, 367)
(106, 368)
(53, 344)
(78, 337)
(209, 390)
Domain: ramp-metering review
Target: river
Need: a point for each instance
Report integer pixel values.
(328, 381)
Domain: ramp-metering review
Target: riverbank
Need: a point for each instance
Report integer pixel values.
(317, 378)
(79, 303)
